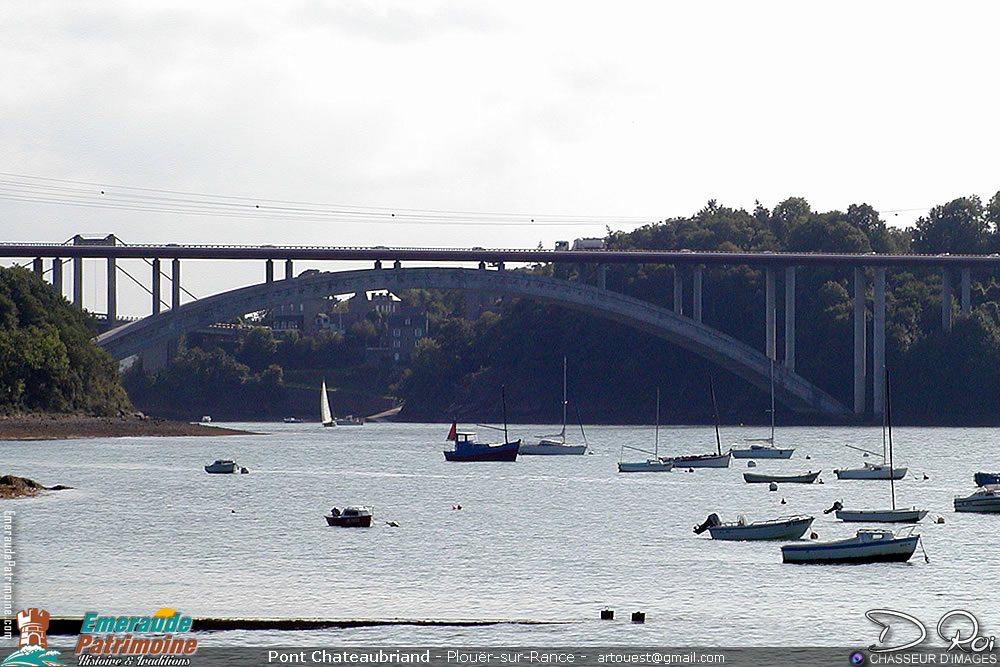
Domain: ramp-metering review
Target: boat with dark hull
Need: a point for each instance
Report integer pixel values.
(868, 546)
(764, 478)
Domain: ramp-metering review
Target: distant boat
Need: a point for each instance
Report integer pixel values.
(894, 514)
(986, 478)
(353, 516)
(222, 467)
(655, 464)
(717, 460)
(763, 478)
(325, 416)
(292, 420)
(468, 448)
(206, 419)
(985, 500)
(868, 546)
(872, 471)
(349, 420)
(556, 444)
(768, 450)
(782, 528)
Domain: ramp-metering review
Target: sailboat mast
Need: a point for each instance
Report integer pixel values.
(503, 401)
(715, 415)
(888, 422)
(563, 434)
(772, 401)
(656, 431)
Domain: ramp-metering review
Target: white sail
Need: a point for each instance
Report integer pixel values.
(325, 416)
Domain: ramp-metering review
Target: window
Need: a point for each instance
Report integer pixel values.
(395, 333)
(396, 344)
(417, 333)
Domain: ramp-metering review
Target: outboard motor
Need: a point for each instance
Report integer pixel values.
(712, 520)
(836, 506)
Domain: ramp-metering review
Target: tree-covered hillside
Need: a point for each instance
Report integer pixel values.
(47, 360)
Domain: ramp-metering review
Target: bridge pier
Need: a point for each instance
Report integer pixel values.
(289, 273)
(945, 299)
(37, 267)
(678, 291)
(269, 271)
(57, 274)
(175, 287)
(859, 341)
(156, 286)
(696, 293)
(790, 318)
(112, 292)
(602, 276)
(878, 343)
(770, 314)
(78, 281)
(966, 291)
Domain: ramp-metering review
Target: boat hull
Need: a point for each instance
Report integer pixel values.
(651, 465)
(791, 529)
(882, 516)
(480, 452)
(986, 478)
(552, 450)
(871, 473)
(759, 478)
(222, 468)
(980, 505)
(851, 552)
(703, 461)
(762, 453)
(364, 521)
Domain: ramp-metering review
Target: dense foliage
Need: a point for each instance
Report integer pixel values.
(48, 362)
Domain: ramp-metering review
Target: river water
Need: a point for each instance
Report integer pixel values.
(543, 539)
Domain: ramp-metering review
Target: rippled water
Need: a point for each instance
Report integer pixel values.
(544, 538)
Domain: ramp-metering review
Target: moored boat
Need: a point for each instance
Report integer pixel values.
(352, 516)
(764, 478)
(222, 467)
(984, 500)
(349, 420)
(986, 478)
(872, 471)
(868, 546)
(702, 461)
(555, 445)
(762, 452)
(782, 528)
(654, 464)
(468, 448)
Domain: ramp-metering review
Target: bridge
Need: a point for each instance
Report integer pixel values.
(685, 330)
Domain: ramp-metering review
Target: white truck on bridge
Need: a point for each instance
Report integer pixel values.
(581, 244)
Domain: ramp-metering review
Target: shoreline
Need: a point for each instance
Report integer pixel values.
(66, 427)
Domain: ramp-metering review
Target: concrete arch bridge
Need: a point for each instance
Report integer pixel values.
(791, 390)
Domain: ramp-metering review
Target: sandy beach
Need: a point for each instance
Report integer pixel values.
(61, 427)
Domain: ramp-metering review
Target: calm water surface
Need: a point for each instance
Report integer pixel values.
(544, 538)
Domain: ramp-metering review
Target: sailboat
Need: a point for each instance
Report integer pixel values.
(766, 450)
(556, 444)
(655, 464)
(718, 460)
(894, 515)
(468, 448)
(325, 416)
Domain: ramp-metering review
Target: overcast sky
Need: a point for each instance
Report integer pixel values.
(297, 122)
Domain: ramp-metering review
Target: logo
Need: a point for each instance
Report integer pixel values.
(32, 650)
(164, 634)
(857, 658)
(949, 628)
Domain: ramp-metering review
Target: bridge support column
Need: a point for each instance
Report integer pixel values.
(269, 271)
(770, 326)
(78, 281)
(112, 292)
(945, 299)
(966, 291)
(678, 291)
(602, 276)
(36, 266)
(790, 318)
(859, 341)
(878, 343)
(156, 286)
(696, 293)
(175, 287)
(289, 273)
(57, 278)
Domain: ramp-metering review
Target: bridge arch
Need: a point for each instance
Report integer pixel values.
(791, 389)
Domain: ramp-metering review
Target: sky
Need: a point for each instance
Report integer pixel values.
(460, 124)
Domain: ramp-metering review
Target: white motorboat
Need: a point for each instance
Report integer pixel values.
(353, 516)
(325, 416)
(556, 444)
(766, 450)
(894, 514)
(872, 471)
(349, 420)
(654, 464)
(782, 528)
(868, 546)
(985, 500)
(223, 467)
(292, 420)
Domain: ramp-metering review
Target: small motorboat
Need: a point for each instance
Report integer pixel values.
(782, 528)
(761, 478)
(467, 448)
(223, 467)
(986, 478)
(292, 420)
(762, 452)
(894, 515)
(206, 419)
(872, 471)
(868, 546)
(352, 516)
(985, 500)
(649, 465)
(350, 420)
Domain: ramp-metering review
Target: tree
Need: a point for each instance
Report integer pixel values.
(958, 227)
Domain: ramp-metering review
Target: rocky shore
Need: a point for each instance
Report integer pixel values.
(61, 427)
(21, 487)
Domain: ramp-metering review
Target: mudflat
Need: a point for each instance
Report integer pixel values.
(61, 427)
